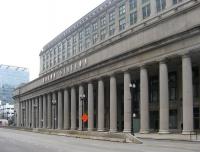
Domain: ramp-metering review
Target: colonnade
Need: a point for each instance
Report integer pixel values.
(58, 109)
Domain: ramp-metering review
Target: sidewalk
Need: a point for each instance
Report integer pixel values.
(176, 137)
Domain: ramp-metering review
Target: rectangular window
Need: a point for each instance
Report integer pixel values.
(160, 5)
(95, 26)
(103, 21)
(172, 86)
(122, 24)
(112, 16)
(122, 10)
(112, 29)
(133, 18)
(81, 35)
(68, 48)
(74, 50)
(59, 48)
(87, 43)
(63, 45)
(95, 38)
(176, 1)
(80, 46)
(54, 51)
(173, 119)
(133, 4)
(146, 11)
(103, 34)
(87, 31)
(74, 39)
(195, 79)
(154, 85)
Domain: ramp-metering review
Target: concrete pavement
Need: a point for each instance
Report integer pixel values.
(21, 141)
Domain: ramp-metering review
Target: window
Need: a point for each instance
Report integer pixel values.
(74, 50)
(80, 46)
(133, 18)
(122, 24)
(87, 43)
(59, 48)
(68, 48)
(173, 119)
(59, 58)
(133, 4)
(172, 86)
(112, 16)
(103, 21)
(51, 53)
(122, 10)
(154, 95)
(95, 26)
(103, 34)
(95, 38)
(54, 61)
(54, 51)
(81, 35)
(176, 1)
(74, 39)
(160, 5)
(112, 29)
(146, 11)
(195, 79)
(87, 31)
(63, 46)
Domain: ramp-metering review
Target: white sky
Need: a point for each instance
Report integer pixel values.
(27, 25)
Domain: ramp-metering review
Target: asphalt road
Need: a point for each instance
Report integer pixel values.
(21, 141)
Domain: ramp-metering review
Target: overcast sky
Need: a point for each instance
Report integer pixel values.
(27, 25)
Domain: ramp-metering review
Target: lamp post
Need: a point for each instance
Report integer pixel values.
(132, 86)
(83, 99)
(54, 113)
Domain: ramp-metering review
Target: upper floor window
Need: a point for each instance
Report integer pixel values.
(74, 39)
(112, 16)
(87, 31)
(74, 50)
(112, 29)
(122, 10)
(63, 45)
(133, 4)
(59, 48)
(122, 24)
(80, 46)
(80, 35)
(95, 38)
(87, 43)
(133, 18)
(51, 53)
(103, 34)
(103, 21)
(54, 51)
(160, 5)
(176, 1)
(146, 11)
(95, 26)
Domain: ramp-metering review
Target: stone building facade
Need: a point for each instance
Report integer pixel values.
(128, 64)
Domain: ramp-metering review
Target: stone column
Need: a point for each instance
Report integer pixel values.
(168, 4)
(81, 92)
(30, 113)
(54, 111)
(60, 110)
(164, 98)
(40, 112)
(37, 112)
(90, 107)
(153, 7)
(73, 108)
(66, 110)
(19, 114)
(144, 101)
(187, 95)
(127, 102)
(22, 114)
(113, 104)
(33, 113)
(27, 113)
(49, 111)
(101, 126)
(44, 112)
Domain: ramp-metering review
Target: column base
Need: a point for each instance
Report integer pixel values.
(127, 131)
(72, 128)
(163, 132)
(101, 130)
(187, 132)
(113, 130)
(90, 129)
(144, 131)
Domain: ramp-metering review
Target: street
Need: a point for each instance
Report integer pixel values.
(21, 141)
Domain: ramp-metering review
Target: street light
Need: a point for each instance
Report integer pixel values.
(132, 86)
(54, 110)
(83, 99)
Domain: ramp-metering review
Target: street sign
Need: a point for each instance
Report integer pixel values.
(84, 117)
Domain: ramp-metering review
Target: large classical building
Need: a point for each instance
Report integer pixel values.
(128, 64)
